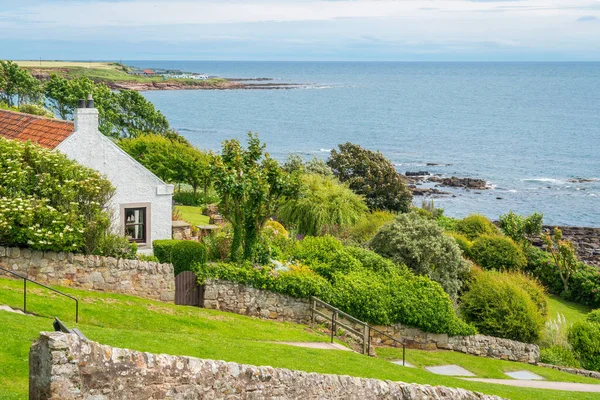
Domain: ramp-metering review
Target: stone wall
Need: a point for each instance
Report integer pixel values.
(246, 300)
(576, 371)
(586, 241)
(62, 366)
(139, 278)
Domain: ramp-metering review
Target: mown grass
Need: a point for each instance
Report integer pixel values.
(145, 325)
(193, 215)
(572, 312)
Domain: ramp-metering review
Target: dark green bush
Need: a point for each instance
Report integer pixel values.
(584, 337)
(162, 249)
(498, 306)
(497, 252)
(476, 225)
(186, 254)
(557, 355)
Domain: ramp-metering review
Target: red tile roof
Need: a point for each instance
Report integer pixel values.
(47, 132)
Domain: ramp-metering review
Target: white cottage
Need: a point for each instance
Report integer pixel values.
(142, 205)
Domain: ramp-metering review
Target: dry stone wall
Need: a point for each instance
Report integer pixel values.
(246, 300)
(139, 278)
(62, 366)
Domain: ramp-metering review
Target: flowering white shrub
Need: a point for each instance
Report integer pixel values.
(48, 202)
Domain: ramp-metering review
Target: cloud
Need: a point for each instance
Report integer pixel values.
(586, 18)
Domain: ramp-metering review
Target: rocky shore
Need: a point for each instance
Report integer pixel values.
(417, 178)
(200, 85)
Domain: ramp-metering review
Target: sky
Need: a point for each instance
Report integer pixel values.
(329, 30)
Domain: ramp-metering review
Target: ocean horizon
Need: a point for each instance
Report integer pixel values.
(528, 128)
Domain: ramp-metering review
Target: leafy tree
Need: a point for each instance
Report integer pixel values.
(17, 83)
(324, 206)
(171, 160)
(315, 165)
(372, 175)
(423, 247)
(563, 254)
(137, 116)
(519, 228)
(252, 186)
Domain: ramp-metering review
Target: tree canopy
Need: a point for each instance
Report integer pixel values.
(17, 85)
(370, 174)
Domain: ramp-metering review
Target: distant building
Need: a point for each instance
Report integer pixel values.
(142, 204)
(149, 72)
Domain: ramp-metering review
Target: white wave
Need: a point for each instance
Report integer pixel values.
(325, 150)
(544, 180)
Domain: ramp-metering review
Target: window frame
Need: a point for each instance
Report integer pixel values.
(146, 240)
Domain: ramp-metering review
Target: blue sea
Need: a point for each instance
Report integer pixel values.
(526, 128)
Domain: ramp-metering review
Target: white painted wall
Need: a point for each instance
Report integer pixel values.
(133, 182)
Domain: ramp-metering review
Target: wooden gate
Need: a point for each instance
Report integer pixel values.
(187, 290)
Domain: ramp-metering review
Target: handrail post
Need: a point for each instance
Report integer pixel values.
(369, 342)
(312, 310)
(25, 296)
(332, 325)
(76, 311)
(365, 339)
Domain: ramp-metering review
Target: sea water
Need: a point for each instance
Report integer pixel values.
(526, 128)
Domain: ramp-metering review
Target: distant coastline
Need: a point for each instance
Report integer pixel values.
(119, 76)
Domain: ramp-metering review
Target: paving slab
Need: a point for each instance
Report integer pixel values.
(524, 375)
(568, 386)
(317, 345)
(450, 370)
(10, 309)
(406, 364)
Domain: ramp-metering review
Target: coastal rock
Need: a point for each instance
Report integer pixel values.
(581, 180)
(417, 173)
(466, 183)
(427, 191)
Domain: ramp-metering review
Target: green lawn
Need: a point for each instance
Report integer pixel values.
(145, 325)
(193, 215)
(572, 312)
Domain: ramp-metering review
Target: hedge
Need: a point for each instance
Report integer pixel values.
(162, 249)
(183, 254)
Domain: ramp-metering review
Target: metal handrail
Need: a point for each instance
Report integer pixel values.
(25, 279)
(366, 327)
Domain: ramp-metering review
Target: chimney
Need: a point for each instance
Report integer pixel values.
(86, 116)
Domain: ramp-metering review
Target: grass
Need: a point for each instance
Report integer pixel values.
(572, 312)
(130, 322)
(193, 215)
(64, 64)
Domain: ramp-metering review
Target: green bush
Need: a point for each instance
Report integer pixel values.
(446, 223)
(463, 242)
(114, 245)
(423, 247)
(186, 254)
(497, 252)
(497, 306)
(594, 316)
(519, 228)
(584, 337)
(163, 248)
(534, 289)
(476, 225)
(34, 109)
(557, 355)
(367, 226)
(49, 202)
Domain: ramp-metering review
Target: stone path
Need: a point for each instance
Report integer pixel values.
(568, 386)
(450, 370)
(9, 309)
(524, 375)
(316, 345)
(406, 364)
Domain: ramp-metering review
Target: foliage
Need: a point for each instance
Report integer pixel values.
(17, 83)
(563, 254)
(423, 247)
(252, 186)
(534, 289)
(163, 249)
(218, 244)
(594, 316)
(557, 355)
(519, 228)
(584, 337)
(147, 258)
(34, 109)
(463, 242)
(498, 306)
(171, 160)
(315, 165)
(186, 254)
(273, 229)
(115, 245)
(188, 198)
(476, 225)
(48, 202)
(135, 116)
(447, 223)
(497, 252)
(370, 174)
(555, 333)
(324, 206)
(367, 226)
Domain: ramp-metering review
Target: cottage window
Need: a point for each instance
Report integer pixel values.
(135, 224)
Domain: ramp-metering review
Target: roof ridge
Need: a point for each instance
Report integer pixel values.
(63, 121)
